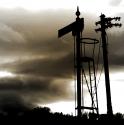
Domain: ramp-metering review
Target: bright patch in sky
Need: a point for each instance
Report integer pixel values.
(5, 74)
(66, 107)
(93, 6)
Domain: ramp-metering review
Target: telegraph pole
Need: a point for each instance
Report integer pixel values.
(106, 23)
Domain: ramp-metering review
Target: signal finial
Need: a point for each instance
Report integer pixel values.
(78, 12)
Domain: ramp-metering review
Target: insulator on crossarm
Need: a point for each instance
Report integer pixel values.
(117, 24)
(117, 18)
(108, 19)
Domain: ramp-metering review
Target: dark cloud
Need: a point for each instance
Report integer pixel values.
(29, 47)
(45, 67)
(45, 79)
(116, 51)
(29, 33)
(34, 89)
(43, 63)
(11, 101)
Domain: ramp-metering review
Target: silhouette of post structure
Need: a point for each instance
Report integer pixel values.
(106, 23)
(76, 28)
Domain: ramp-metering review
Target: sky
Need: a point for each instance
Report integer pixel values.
(36, 67)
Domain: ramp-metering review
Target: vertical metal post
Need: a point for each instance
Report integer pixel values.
(76, 28)
(78, 56)
(106, 67)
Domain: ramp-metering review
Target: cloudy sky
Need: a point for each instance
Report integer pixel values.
(36, 67)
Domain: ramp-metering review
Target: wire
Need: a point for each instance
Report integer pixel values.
(82, 88)
(93, 49)
(98, 57)
(82, 80)
(74, 75)
(102, 65)
(99, 76)
(106, 35)
(100, 73)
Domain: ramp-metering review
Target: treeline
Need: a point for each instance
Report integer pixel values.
(45, 114)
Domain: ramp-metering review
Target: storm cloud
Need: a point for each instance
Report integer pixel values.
(42, 63)
(34, 89)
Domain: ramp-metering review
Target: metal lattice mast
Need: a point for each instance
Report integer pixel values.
(88, 75)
